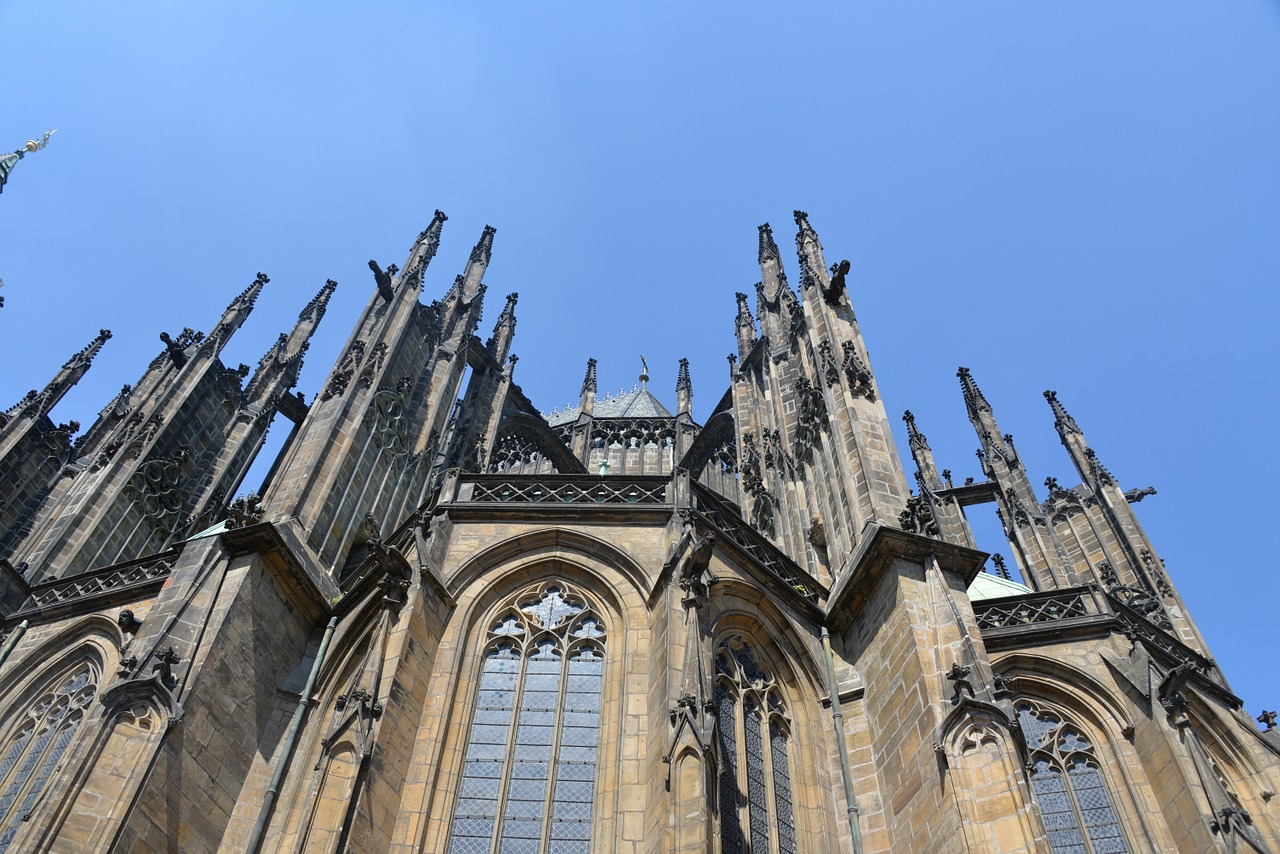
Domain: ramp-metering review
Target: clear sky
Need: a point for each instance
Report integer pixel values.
(1081, 196)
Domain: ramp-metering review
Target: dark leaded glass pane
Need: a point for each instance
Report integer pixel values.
(1100, 822)
(747, 661)
(730, 831)
(757, 796)
(782, 790)
(1055, 808)
(1034, 726)
(15, 750)
(574, 792)
(483, 769)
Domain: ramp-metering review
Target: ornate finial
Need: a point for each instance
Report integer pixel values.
(1001, 570)
(915, 438)
(314, 310)
(644, 371)
(769, 252)
(483, 250)
(802, 219)
(972, 394)
(744, 311)
(683, 383)
(86, 354)
(1062, 420)
(1267, 719)
(589, 381)
(8, 161)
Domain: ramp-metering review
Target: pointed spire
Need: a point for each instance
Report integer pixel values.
(314, 310)
(504, 330)
(684, 389)
(809, 252)
(973, 397)
(232, 319)
(768, 248)
(423, 250)
(483, 249)
(1062, 419)
(279, 367)
(37, 404)
(587, 399)
(915, 438)
(477, 263)
(746, 326)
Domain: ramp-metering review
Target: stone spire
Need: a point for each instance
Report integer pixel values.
(746, 326)
(1044, 561)
(953, 527)
(235, 315)
(921, 452)
(684, 389)
(503, 330)
(774, 277)
(37, 404)
(279, 367)
(423, 250)
(809, 252)
(477, 263)
(587, 401)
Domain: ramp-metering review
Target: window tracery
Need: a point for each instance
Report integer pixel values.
(1067, 781)
(37, 744)
(528, 777)
(753, 731)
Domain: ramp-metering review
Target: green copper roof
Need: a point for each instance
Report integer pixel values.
(988, 586)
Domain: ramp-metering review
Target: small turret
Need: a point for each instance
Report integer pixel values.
(746, 326)
(587, 400)
(477, 263)
(684, 390)
(499, 344)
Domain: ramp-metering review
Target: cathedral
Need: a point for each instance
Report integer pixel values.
(449, 622)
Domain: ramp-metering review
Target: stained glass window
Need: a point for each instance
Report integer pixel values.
(752, 730)
(528, 777)
(1068, 786)
(36, 746)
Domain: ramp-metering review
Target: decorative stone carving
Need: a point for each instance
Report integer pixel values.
(857, 373)
(345, 370)
(811, 419)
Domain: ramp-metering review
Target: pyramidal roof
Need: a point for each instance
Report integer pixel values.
(637, 403)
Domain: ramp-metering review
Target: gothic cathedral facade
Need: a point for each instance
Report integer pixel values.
(451, 623)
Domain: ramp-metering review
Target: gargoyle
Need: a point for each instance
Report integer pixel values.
(838, 272)
(383, 279)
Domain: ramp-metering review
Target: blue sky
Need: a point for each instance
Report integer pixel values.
(1081, 196)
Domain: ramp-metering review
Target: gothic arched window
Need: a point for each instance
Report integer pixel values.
(528, 778)
(1068, 785)
(36, 745)
(752, 734)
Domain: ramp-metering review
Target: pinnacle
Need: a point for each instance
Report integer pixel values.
(1062, 419)
(972, 394)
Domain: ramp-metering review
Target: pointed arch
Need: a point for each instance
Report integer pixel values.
(614, 587)
(529, 769)
(39, 731)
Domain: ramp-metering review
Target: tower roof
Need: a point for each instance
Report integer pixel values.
(639, 402)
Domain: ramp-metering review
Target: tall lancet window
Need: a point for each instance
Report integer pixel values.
(529, 775)
(1068, 785)
(754, 794)
(36, 744)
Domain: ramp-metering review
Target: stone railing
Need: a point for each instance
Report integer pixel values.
(564, 489)
(103, 581)
(1047, 607)
(733, 528)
